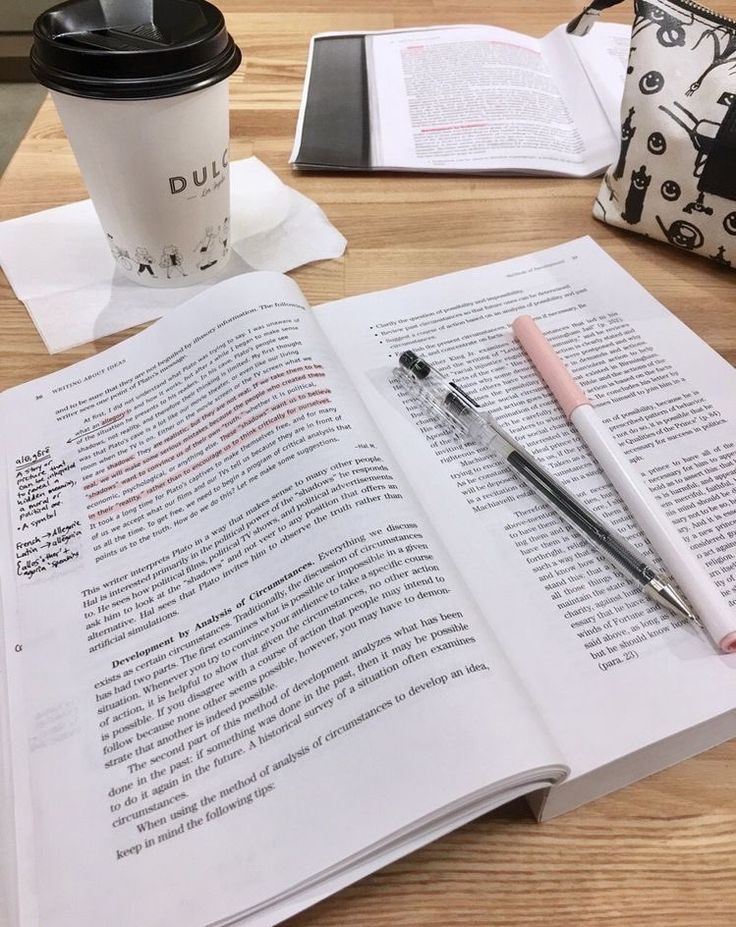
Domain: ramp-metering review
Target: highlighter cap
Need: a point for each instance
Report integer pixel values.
(549, 365)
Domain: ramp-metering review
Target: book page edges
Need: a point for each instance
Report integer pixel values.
(574, 792)
(377, 857)
(8, 867)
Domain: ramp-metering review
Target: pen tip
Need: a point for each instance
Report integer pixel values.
(666, 595)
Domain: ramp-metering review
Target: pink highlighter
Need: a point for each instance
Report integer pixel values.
(713, 610)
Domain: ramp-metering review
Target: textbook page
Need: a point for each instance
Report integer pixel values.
(480, 98)
(610, 671)
(245, 657)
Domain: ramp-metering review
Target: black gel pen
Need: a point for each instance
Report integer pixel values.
(454, 404)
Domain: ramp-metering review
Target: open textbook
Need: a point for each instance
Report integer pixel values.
(464, 98)
(268, 627)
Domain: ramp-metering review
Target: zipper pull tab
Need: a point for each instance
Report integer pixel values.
(583, 23)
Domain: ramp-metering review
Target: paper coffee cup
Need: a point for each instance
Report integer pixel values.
(141, 90)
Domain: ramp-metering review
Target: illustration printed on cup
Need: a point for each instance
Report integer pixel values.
(145, 261)
(224, 236)
(121, 256)
(213, 246)
(171, 261)
(205, 249)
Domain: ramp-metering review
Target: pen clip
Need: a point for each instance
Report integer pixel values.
(463, 395)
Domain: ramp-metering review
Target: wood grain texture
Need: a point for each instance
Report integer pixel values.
(662, 852)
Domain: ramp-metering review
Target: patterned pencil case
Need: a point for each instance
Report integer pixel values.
(675, 177)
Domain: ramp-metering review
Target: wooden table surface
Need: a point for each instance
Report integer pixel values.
(662, 852)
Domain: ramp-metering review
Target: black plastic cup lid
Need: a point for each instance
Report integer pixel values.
(132, 49)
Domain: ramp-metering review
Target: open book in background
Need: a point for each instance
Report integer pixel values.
(268, 627)
(475, 99)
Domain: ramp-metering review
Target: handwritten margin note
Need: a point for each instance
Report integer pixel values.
(47, 535)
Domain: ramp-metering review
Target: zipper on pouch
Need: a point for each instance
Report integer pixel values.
(705, 12)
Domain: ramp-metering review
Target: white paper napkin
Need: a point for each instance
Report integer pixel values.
(60, 266)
